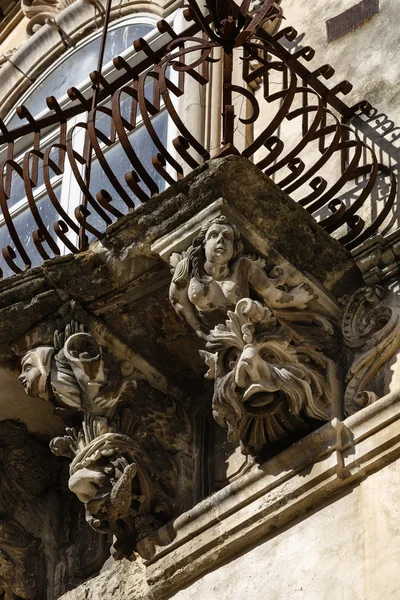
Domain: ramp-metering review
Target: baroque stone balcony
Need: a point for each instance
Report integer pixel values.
(202, 415)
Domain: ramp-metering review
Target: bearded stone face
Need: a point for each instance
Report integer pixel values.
(266, 385)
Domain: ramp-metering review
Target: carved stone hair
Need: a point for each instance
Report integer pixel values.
(193, 264)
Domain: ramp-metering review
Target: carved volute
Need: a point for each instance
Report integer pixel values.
(122, 436)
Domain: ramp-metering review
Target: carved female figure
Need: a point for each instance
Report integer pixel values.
(213, 275)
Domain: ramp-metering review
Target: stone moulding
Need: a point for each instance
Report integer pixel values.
(338, 455)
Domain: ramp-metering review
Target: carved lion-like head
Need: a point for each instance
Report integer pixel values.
(266, 385)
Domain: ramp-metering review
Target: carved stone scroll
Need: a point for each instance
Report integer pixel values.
(122, 443)
(372, 328)
(39, 11)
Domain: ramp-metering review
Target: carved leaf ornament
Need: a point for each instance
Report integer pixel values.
(372, 328)
(265, 384)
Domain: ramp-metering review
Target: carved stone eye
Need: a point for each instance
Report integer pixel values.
(268, 356)
(231, 358)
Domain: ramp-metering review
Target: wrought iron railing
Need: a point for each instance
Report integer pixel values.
(260, 107)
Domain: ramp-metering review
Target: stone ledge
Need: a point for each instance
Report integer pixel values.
(337, 456)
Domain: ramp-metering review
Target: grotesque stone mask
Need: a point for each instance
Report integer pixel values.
(266, 384)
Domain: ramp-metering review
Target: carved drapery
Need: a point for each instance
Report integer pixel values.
(122, 449)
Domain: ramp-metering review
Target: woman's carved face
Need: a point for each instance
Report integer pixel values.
(36, 366)
(31, 375)
(219, 244)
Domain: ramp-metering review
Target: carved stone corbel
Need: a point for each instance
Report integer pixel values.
(266, 383)
(371, 327)
(273, 379)
(125, 444)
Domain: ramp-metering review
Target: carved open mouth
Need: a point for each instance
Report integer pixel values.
(266, 396)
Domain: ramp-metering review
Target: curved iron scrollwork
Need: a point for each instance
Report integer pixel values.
(300, 103)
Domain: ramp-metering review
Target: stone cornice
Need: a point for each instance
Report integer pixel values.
(302, 477)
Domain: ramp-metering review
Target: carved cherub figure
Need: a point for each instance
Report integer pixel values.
(213, 275)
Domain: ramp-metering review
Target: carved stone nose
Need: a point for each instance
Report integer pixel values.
(85, 483)
(245, 367)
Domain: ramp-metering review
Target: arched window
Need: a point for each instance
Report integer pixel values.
(72, 70)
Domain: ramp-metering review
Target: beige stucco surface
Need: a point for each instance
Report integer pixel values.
(348, 549)
(368, 56)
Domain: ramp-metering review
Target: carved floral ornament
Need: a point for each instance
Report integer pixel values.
(271, 377)
(121, 469)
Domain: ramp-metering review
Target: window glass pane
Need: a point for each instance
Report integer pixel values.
(120, 164)
(25, 224)
(17, 183)
(78, 65)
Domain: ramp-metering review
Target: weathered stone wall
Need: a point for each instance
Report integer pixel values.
(368, 56)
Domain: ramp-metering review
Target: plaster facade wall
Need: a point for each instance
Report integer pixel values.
(368, 56)
(349, 548)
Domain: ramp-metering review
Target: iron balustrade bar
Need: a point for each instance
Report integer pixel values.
(77, 108)
(319, 136)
